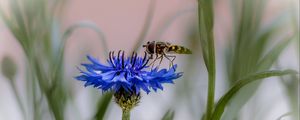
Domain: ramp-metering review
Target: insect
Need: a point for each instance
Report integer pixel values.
(164, 49)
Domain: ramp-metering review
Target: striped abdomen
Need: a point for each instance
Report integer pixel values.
(178, 50)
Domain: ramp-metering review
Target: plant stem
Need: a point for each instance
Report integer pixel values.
(211, 94)
(211, 77)
(19, 101)
(206, 19)
(126, 114)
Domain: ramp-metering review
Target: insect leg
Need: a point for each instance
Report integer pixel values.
(158, 57)
(151, 57)
(171, 58)
(153, 62)
(161, 58)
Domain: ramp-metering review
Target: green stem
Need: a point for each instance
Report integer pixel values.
(19, 101)
(211, 94)
(211, 77)
(205, 14)
(126, 114)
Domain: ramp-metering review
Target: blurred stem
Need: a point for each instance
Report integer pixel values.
(40, 75)
(211, 83)
(146, 26)
(33, 87)
(224, 100)
(34, 102)
(205, 14)
(125, 114)
(103, 104)
(83, 24)
(19, 101)
(166, 24)
(284, 115)
(211, 95)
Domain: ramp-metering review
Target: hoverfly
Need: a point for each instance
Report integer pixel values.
(164, 49)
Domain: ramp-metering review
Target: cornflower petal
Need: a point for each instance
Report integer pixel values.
(131, 74)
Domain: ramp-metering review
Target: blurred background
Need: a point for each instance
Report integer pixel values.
(43, 41)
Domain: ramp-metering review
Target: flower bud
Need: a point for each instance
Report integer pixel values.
(127, 100)
(8, 67)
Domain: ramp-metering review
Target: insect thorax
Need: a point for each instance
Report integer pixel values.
(161, 47)
(156, 47)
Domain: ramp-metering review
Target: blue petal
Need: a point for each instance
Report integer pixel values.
(126, 76)
(81, 77)
(108, 75)
(97, 65)
(140, 83)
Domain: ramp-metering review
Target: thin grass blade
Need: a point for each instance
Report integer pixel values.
(206, 24)
(220, 106)
(169, 115)
(146, 26)
(103, 105)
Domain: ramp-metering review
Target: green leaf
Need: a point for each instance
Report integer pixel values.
(169, 115)
(17, 15)
(220, 106)
(268, 60)
(246, 19)
(68, 33)
(17, 33)
(88, 25)
(30, 22)
(251, 42)
(103, 104)
(291, 86)
(206, 22)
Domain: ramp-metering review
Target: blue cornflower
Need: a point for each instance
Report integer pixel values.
(130, 74)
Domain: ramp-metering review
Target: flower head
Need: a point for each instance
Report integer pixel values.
(130, 74)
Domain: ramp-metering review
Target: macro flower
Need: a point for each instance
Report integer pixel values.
(126, 77)
(131, 74)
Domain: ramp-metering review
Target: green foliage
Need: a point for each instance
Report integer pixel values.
(250, 51)
(27, 18)
(220, 106)
(284, 115)
(169, 115)
(103, 102)
(9, 70)
(205, 22)
(34, 24)
(291, 85)
(88, 25)
(103, 106)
